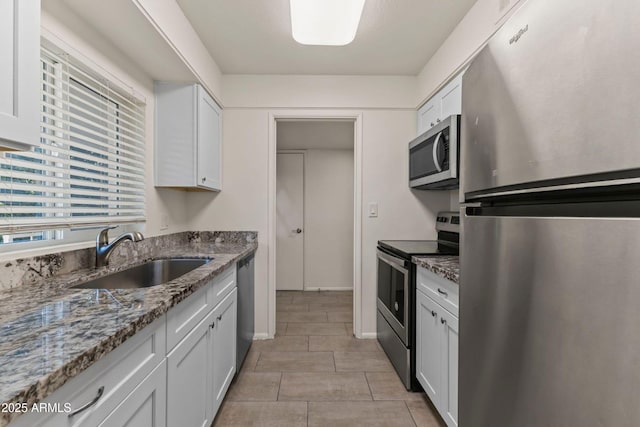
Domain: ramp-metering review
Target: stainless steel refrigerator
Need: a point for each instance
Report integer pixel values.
(550, 253)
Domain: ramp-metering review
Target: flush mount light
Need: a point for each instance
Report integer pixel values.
(325, 22)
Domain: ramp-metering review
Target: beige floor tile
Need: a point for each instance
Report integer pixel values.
(424, 414)
(282, 343)
(263, 414)
(331, 307)
(340, 316)
(387, 386)
(341, 343)
(288, 293)
(316, 329)
(348, 327)
(324, 386)
(281, 328)
(255, 386)
(375, 361)
(295, 361)
(370, 414)
(284, 299)
(287, 307)
(250, 361)
(314, 298)
(345, 294)
(308, 316)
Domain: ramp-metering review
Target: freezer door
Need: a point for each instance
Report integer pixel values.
(550, 322)
(554, 95)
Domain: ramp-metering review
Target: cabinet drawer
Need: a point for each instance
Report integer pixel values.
(222, 285)
(443, 291)
(118, 373)
(182, 318)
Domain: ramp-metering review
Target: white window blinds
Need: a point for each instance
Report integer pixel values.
(89, 167)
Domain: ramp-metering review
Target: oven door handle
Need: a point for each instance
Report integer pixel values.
(397, 263)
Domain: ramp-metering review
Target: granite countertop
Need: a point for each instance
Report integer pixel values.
(444, 266)
(50, 333)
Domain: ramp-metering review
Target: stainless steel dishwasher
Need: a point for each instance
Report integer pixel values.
(245, 279)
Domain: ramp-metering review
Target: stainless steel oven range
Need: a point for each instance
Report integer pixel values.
(396, 292)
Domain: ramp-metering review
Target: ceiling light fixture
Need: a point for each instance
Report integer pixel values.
(325, 22)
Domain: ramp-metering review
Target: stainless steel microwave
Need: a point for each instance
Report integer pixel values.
(433, 157)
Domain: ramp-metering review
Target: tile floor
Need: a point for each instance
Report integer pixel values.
(315, 373)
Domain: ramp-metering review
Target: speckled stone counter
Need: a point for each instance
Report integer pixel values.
(49, 332)
(444, 266)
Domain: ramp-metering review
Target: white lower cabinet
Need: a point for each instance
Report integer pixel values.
(201, 367)
(428, 357)
(147, 383)
(437, 356)
(145, 406)
(223, 347)
(189, 377)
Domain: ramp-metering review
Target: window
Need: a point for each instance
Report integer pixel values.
(88, 170)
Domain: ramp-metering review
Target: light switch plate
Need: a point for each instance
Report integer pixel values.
(373, 210)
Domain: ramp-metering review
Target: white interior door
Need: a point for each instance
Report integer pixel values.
(290, 227)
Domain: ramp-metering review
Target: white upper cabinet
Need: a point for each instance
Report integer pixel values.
(19, 74)
(446, 102)
(188, 125)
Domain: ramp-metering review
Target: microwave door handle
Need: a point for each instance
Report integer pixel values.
(435, 152)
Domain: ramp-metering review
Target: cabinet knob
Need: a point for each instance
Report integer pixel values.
(440, 291)
(219, 318)
(433, 313)
(432, 124)
(437, 120)
(212, 325)
(395, 305)
(443, 321)
(204, 178)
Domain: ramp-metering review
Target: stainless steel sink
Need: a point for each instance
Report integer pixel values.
(149, 274)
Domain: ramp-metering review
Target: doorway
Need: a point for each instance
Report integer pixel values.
(314, 206)
(308, 115)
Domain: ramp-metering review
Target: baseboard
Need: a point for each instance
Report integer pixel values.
(327, 288)
(262, 336)
(369, 335)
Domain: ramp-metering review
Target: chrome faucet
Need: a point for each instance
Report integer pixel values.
(104, 248)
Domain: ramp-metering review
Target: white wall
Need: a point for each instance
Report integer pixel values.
(328, 219)
(70, 33)
(243, 203)
(169, 20)
(469, 36)
(279, 91)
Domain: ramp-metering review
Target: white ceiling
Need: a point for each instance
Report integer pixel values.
(395, 37)
(308, 135)
(122, 24)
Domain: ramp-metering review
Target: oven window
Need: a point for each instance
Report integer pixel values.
(391, 289)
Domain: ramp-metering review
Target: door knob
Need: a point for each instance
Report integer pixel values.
(297, 230)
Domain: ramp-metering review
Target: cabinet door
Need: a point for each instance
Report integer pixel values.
(427, 115)
(188, 378)
(449, 395)
(223, 347)
(145, 406)
(428, 344)
(450, 98)
(209, 142)
(19, 73)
